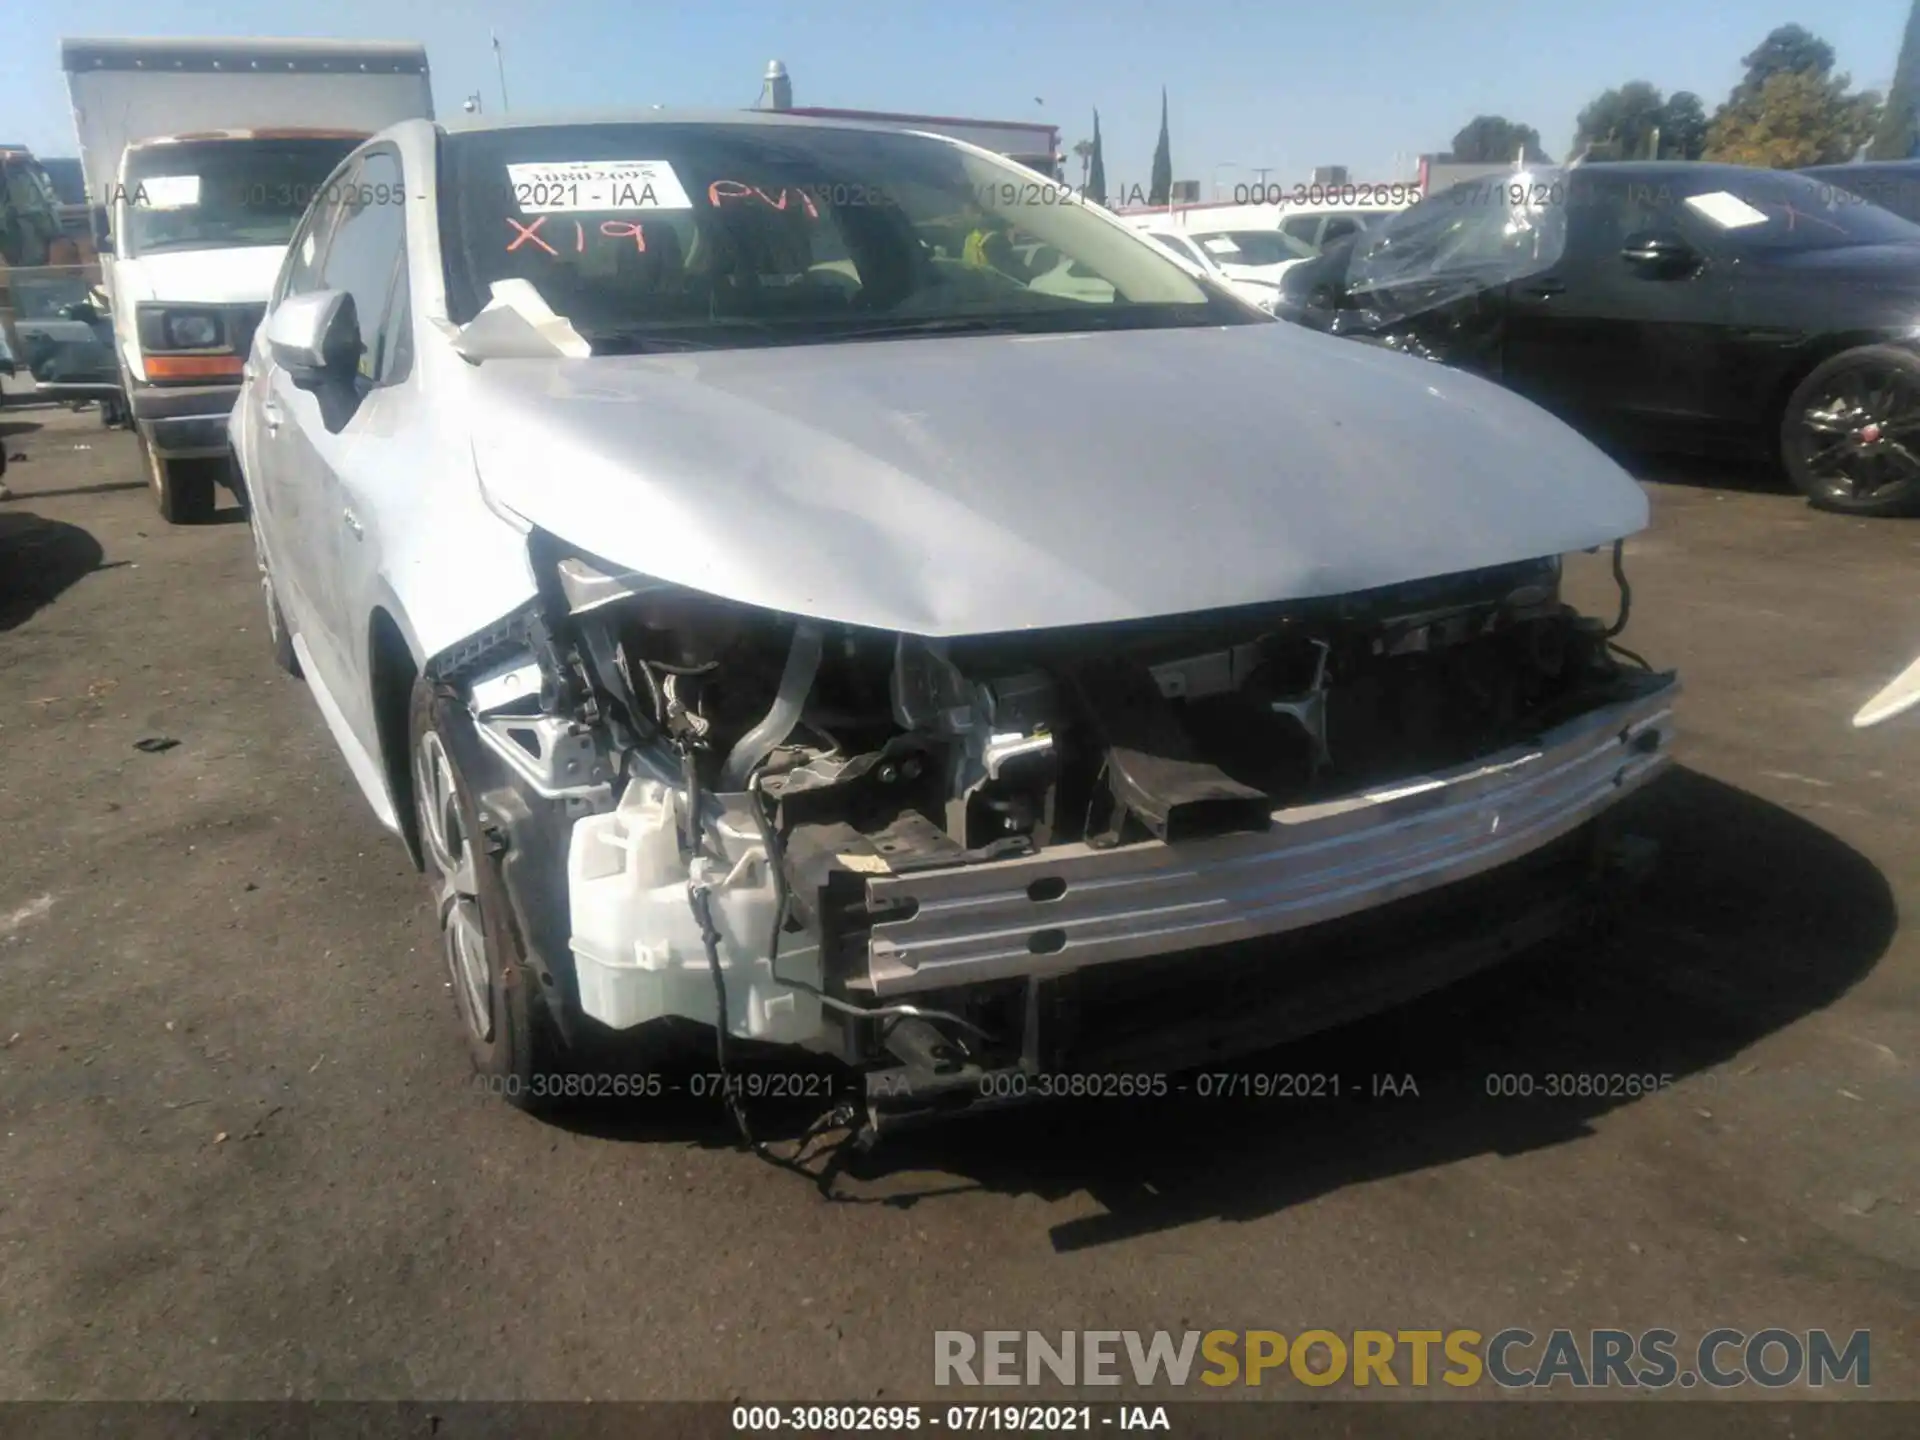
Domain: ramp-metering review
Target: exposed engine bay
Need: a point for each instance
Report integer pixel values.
(792, 822)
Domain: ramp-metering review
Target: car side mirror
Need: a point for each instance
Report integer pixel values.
(1659, 255)
(315, 337)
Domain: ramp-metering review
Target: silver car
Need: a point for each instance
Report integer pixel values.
(757, 608)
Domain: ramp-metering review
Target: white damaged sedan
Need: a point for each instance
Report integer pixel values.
(758, 609)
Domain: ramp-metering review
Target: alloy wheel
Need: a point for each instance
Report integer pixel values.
(450, 855)
(1861, 435)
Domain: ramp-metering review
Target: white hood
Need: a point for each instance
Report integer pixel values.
(211, 277)
(968, 485)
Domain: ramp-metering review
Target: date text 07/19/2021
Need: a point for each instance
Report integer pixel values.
(958, 1419)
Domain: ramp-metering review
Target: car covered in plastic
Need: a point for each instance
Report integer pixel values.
(1664, 305)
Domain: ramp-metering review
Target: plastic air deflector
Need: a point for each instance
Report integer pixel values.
(1151, 771)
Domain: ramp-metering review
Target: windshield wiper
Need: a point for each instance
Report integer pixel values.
(942, 325)
(1065, 320)
(634, 342)
(678, 336)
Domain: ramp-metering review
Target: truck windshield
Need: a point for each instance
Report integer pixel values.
(675, 235)
(220, 194)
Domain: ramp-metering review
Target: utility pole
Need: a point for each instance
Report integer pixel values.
(500, 63)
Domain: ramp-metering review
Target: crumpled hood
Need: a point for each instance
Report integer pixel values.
(212, 277)
(971, 485)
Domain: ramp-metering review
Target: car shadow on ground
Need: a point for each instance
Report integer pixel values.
(39, 560)
(1752, 919)
(1699, 472)
(105, 487)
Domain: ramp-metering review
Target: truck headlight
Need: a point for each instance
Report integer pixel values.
(191, 330)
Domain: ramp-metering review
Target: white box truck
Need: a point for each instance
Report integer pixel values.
(203, 155)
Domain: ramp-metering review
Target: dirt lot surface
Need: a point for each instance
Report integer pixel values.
(240, 1157)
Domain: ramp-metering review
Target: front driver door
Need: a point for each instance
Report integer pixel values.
(338, 429)
(1617, 347)
(283, 487)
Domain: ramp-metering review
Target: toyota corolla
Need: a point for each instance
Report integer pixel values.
(757, 609)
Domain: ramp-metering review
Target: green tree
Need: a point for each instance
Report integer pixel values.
(1683, 127)
(1623, 124)
(1898, 134)
(1619, 123)
(1794, 119)
(1488, 138)
(1788, 49)
(1160, 187)
(1790, 109)
(1097, 168)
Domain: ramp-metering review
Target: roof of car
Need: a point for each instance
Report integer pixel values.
(1861, 167)
(658, 115)
(1654, 170)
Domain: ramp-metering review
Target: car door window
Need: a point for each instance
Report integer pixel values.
(393, 344)
(361, 256)
(1604, 215)
(308, 248)
(1301, 227)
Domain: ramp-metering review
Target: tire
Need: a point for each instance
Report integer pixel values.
(183, 490)
(511, 1039)
(1850, 433)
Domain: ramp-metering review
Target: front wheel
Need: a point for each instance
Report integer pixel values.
(1850, 436)
(183, 490)
(516, 1049)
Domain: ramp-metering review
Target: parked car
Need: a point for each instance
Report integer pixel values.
(1272, 251)
(1258, 285)
(752, 617)
(1672, 305)
(1316, 226)
(1891, 184)
(66, 335)
(1262, 256)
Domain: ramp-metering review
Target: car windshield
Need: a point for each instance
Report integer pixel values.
(1461, 242)
(1777, 210)
(217, 194)
(675, 235)
(1265, 247)
(1514, 225)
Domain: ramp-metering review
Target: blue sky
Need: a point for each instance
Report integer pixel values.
(1365, 83)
